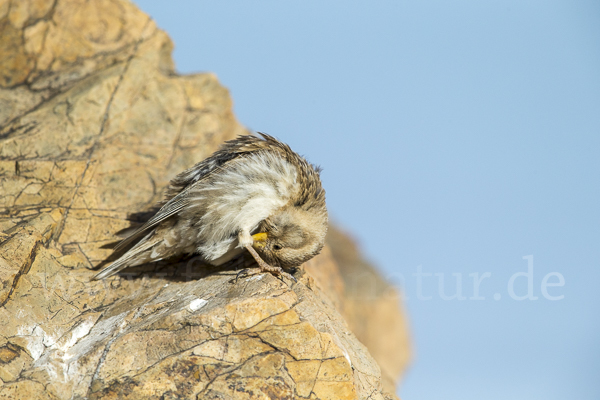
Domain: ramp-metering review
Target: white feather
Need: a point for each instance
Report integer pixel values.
(239, 198)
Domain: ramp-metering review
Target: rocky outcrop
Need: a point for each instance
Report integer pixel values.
(93, 124)
(369, 304)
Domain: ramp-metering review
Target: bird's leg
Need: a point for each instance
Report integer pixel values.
(264, 267)
(247, 241)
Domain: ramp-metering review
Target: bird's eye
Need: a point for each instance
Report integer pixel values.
(276, 247)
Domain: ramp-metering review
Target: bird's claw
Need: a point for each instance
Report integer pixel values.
(290, 276)
(264, 267)
(246, 272)
(242, 274)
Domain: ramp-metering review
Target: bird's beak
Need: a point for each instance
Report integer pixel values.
(259, 240)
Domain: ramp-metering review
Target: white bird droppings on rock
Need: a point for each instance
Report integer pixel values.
(197, 304)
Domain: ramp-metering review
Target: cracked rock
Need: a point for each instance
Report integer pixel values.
(93, 124)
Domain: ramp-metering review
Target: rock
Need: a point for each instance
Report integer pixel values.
(366, 296)
(93, 124)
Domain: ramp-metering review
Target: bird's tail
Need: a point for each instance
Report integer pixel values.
(138, 254)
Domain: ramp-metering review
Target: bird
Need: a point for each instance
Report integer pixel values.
(253, 194)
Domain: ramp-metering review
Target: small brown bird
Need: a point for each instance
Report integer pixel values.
(254, 193)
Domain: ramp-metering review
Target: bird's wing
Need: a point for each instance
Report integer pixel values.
(134, 256)
(171, 208)
(229, 150)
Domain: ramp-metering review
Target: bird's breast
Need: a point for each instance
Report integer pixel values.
(238, 198)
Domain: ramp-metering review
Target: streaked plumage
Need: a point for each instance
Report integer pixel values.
(253, 193)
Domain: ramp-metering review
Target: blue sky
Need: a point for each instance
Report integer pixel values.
(456, 139)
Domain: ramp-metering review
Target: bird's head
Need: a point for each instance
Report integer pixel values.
(291, 236)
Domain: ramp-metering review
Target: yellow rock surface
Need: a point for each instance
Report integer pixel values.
(93, 124)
